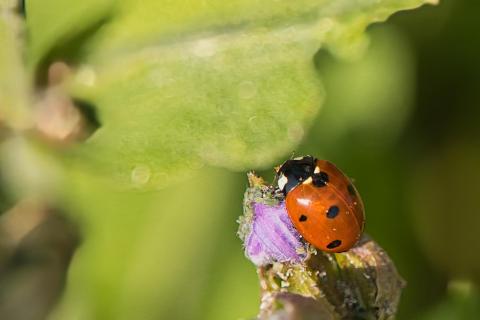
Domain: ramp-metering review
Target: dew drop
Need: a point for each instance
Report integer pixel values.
(140, 175)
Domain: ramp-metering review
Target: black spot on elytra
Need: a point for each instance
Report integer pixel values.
(302, 218)
(332, 212)
(351, 190)
(320, 179)
(334, 244)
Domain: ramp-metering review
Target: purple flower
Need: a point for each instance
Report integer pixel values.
(272, 237)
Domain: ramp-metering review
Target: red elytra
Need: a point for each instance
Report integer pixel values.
(322, 203)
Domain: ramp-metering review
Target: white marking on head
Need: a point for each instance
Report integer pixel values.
(317, 169)
(282, 181)
(308, 180)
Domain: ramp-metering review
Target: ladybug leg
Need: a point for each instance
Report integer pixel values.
(278, 194)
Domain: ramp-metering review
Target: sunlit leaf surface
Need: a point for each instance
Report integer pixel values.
(179, 84)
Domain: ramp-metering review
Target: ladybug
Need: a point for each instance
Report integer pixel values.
(322, 203)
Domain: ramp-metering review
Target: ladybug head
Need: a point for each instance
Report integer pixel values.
(293, 172)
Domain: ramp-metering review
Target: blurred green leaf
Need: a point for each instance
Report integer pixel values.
(461, 303)
(236, 276)
(52, 23)
(180, 84)
(146, 256)
(368, 95)
(14, 92)
(444, 206)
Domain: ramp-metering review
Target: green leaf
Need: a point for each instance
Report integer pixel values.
(178, 85)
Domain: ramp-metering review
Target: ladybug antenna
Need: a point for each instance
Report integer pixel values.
(292, 156)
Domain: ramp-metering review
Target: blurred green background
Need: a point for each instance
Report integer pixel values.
(401, 117)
